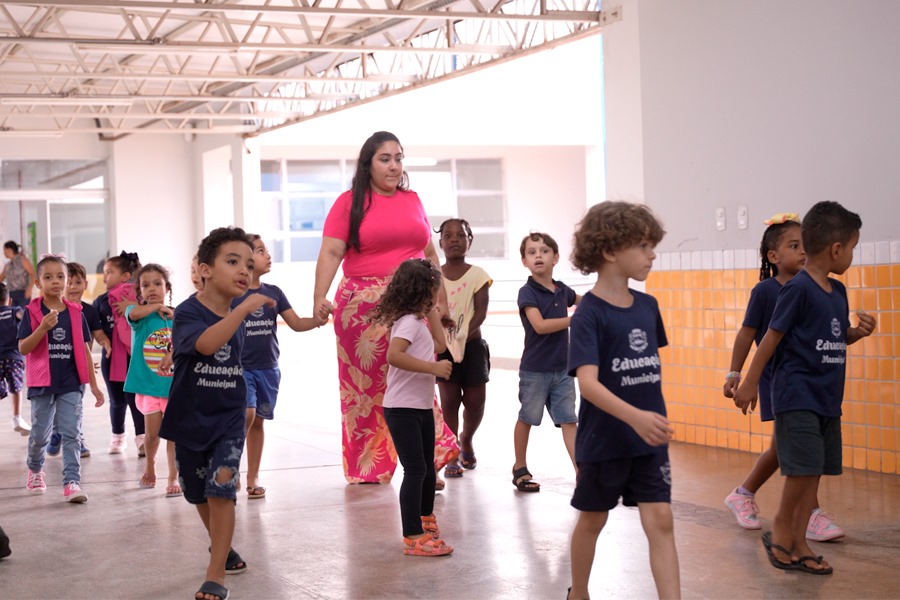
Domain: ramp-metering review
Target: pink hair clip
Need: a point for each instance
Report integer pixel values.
(782, 218)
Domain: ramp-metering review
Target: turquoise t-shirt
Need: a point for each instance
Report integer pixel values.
(151, 339)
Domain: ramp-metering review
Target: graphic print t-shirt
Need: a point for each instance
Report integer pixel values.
(261, 349)
(624, 344)
(9, 331)
(208, 397)
(63, 373)
(151, 341)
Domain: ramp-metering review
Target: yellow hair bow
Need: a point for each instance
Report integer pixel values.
(781, 218)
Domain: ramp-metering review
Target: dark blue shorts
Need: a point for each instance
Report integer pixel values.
(196, 470)
(475, 369)
(634, 479)
(808, 443)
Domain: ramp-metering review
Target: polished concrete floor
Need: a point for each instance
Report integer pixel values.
(315, 537)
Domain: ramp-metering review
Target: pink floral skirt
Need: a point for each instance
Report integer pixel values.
(368, 451)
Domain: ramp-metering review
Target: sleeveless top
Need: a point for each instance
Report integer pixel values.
(16, 275)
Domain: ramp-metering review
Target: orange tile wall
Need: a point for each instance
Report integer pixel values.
(703, 310)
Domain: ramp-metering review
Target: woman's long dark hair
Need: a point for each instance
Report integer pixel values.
(362, 179)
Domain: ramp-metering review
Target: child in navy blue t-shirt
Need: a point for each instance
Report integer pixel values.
(205, 413)
(12, 363)
(808, 336)
(622, 442)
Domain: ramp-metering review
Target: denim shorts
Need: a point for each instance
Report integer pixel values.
(808, 443)
(262, 390)
(635, 479)
(196, 470)
(475, 368)
(555, 390)
(12, 376)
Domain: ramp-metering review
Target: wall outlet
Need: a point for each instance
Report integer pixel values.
(743, 217)
(720, 219)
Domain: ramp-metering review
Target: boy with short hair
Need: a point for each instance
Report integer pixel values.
(206, 411)
(543, 380)
(12, 363)
(623, 434)
(808, 335)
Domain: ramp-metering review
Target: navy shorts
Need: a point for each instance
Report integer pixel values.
(475, 369)
(808, 443)
(634, 479)
(12, 376)
(196, 470)
(555, 390)
(262, 390)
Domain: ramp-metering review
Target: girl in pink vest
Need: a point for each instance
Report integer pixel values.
(53, 336)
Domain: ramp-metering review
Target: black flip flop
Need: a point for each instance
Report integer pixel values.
(213, 589)
(776, 562)
(801, 566)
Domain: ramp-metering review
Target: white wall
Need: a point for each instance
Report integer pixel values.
(769, 104)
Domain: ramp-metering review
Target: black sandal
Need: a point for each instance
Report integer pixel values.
(777, 562)
(234, 564)
(802, 566)
(211, 588)
(522, 484)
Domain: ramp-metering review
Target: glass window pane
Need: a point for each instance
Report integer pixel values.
(486, 210)
(276, 250)
(488, 245)
(305, 248)
(314, 176)
(52, 174)
(270, 171)
(485, 174)
(308, 214)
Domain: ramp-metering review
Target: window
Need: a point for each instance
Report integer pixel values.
(297, 195)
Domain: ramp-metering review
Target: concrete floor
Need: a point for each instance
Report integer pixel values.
(313, 536)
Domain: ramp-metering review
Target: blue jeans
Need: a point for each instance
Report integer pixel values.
(66, 409)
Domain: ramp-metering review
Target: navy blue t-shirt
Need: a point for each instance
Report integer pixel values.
(545, 353)
(810, 360)
(261, 342)
(9, 331)
(63, 372)
(763, 297)
(623, 343)
(105, 313)
(208, 398)
(92, 316)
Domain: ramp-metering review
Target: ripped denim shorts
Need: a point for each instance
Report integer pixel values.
(197, 470)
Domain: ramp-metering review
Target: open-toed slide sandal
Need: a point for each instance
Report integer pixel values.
(211, 588)
(234, 564)
(522, 484)
(453, 471)
(467, 459)
(255, 492)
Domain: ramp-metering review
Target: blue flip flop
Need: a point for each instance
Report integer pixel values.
(213, 589)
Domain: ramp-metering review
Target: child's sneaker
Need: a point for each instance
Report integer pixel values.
(53, 444)
(72, 493)
(117, 444)
(822, 527)
(19, 424)
(35, 483)
(425, 546)
(85, 451)
(139, 444)
(745, 510)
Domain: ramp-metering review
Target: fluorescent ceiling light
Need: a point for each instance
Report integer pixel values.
(31, 133)
(65, 101)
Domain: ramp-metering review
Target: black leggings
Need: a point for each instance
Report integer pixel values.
(413, 432)
(119, 402)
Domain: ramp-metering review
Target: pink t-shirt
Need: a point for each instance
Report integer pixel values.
(406, 389)
(394, 229)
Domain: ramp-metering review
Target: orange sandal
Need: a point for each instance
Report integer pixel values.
(429, 525)
(425, 546)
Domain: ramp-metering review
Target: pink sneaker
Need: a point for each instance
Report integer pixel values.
(744, 509)
(35, 483)
(822, 527)
(72, 493)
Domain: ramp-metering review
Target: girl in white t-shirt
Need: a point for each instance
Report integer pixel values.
(409, 309)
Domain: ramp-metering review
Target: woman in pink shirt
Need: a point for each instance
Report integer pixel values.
(371, 229)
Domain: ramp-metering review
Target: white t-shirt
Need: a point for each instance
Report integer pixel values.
(407, 389)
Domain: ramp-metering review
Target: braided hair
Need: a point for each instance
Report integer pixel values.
(770, 240)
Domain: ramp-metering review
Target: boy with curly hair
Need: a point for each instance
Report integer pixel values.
(622, 444)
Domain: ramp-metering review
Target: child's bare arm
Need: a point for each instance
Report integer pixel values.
(100, 337)
(865, 328)
(92, 378)
(742, 344)
(481, 300)
(399, 358)
(218, 335)
(746, 395)
(142, 310)
(653, 427)
(436, 327)
(298, 323)
(544, 326)
(47, 323)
